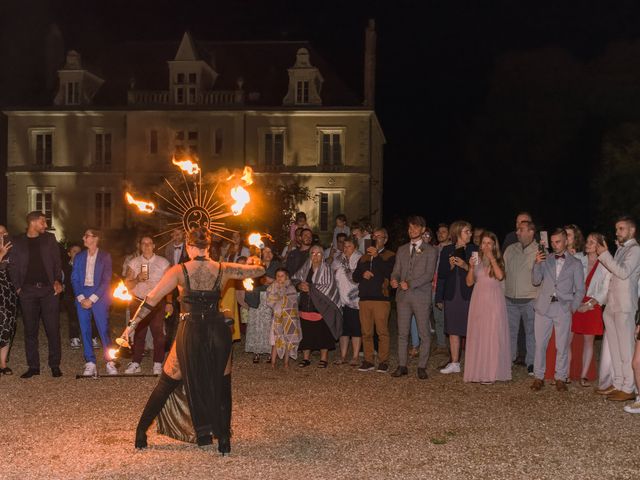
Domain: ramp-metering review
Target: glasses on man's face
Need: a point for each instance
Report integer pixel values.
(316, 253)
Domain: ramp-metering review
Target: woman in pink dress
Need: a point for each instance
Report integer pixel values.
(488, 353)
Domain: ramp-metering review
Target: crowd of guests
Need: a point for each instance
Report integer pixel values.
(539, 299)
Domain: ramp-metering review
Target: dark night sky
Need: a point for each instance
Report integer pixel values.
(482, 103)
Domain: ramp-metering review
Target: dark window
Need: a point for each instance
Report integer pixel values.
(324, 211)
(44, 204)
(103, 210)
(193, 135)
(192, 95)
(331, 149)
(180, 78)
(302, 92)
(44, 149)
(274, 149)
(217, 141)
(179, 95)
(103, 149)
(153, 141)
(180, 135)
(192, 78)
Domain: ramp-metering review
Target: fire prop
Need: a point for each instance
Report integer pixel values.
(122, 293)
(145, 207)
(255, 239)
(247, 283)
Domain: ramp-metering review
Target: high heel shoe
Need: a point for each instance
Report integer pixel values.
(141, 440)
(224, 446)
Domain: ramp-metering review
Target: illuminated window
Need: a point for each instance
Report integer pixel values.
(103, 149)
(41, 200)
(331, 147)
(302, 91)
(42, 146)
(329, 205)
(72, 93)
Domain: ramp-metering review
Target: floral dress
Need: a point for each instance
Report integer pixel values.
(286, 333)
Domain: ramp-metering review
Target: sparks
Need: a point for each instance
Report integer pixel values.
(247, 176)
(112, 352)
(121, 292)
(241, 197)
(145, 207)
(247, 283)
(187, 166)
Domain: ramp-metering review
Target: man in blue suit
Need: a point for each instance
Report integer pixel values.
(91, 279)
(562, 278)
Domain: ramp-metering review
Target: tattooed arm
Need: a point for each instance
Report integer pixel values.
(240, 272)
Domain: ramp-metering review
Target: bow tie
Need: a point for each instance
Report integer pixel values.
(178, 248)
(560, 256)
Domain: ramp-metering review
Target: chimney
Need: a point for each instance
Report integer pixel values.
(370, 64)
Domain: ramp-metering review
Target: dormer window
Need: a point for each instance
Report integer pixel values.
(302, 92)
(72, 94)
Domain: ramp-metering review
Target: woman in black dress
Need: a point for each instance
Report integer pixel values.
(8, 301)
(318, 307)
(200, 357)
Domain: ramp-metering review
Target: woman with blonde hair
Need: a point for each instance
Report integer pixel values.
(488, 352)
(452, 292)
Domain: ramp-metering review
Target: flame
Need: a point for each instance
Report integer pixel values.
(255, 239)
(247, 176)
(145, 207)
(112, 352)
(188, 166)
(241, 197)
(122, 293)
(247, 283)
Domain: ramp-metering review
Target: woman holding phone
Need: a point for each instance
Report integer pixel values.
(452, 292)
(488, 350)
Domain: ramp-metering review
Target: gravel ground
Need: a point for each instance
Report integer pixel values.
(317, 423)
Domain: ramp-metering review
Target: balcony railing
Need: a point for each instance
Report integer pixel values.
(163, 97)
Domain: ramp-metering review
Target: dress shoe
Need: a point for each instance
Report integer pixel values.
(422, 373)
(30, 373)
(620, 396)
(204, 440)
(400, 371)
(537, 385)
(606, 391)
(224, 446)
(561, 386)
(56, 372)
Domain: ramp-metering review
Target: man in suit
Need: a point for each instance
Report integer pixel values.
(561, 292)
(413, 276)
(91, 281)
(176, 253)
(622, 303)
(36, 272)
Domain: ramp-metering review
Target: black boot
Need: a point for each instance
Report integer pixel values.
(224, 440)
(224, 446)
(154, 405)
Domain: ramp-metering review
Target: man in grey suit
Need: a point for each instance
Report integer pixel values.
(561, 293)
(622, 303)
(413, 276)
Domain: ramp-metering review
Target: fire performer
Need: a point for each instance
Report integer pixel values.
(201, 354)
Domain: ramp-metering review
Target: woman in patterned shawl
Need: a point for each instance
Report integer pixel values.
(319, 304)
(286, 334)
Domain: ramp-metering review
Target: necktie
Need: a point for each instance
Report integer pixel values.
(560, 256)
(413, 249)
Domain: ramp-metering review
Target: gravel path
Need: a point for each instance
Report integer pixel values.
(313, 423)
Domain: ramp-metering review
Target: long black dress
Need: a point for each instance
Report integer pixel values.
(202, 404)
(8, 302)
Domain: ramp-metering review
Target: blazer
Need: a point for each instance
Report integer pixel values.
(19, 259)
(99, 293)
(599, 286)
(568, 287)
(448, 278)
(417, 272)
(169, 250)
(625, 271)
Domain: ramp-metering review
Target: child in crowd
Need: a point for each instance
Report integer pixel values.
(286, 334)
(341, 227)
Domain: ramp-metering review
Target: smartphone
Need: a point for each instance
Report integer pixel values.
(460, 253)
(144, 270)
(474, 257)
(544, 239)
(368, 242)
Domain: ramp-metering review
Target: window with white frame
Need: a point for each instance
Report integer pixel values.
(330, 204)
(42, 146)
(302, 91)
(72, 93)
(102, 209)
(216, 141)
(274, 147)
(153, 142)
(331, 146)
(41, 200)
(102, 151)
(186, 143)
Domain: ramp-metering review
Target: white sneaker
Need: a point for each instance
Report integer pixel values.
(111, 368)
(133, 367)
(157, 368)
(89, 370)
(634, 407)
(94, 342)
(451, 368)
(75, 343)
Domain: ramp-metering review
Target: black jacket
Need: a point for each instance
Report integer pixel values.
(377, 287)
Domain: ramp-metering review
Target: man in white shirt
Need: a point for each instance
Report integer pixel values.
(622, 303)
(143, 274)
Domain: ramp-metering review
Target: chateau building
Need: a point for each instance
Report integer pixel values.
(276, 106)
